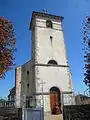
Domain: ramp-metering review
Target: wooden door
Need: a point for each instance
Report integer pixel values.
(55, 103)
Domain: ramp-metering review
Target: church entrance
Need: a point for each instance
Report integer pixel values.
(55, 101)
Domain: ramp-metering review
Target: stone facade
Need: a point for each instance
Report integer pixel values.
(17, 86)
(82, 99)
(23, 83)
(48, 67)
(48, 45)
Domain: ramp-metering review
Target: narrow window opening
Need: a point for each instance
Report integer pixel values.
(49, 24)
(27, 85)
(51, 39)
(27, 72)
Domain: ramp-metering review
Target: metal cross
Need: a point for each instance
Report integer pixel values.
(42, 83)
(44, 10)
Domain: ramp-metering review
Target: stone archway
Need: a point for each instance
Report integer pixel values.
(55, 101)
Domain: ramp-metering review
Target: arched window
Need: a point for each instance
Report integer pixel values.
(55, 101)
(49, 24)
(52, 62)
(55, 90)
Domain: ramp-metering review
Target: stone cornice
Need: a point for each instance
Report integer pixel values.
(51, 65)
(34, 14)
(48, 93)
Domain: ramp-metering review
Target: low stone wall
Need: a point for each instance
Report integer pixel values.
(77, 112)
(53, 117)
(8, 111)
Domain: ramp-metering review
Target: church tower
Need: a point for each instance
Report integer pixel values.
(51, 75)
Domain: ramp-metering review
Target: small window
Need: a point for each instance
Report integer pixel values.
(51, 39)
(49, 24)
(52, 62)
(27, 72)
(27, 85)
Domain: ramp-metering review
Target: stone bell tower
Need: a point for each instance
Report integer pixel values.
(49, 59)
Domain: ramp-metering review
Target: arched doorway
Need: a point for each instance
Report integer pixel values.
(55, 101)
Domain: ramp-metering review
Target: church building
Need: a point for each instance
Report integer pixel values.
(46, 76)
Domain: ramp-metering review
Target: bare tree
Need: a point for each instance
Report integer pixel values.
(86, 42)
